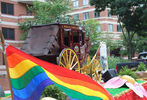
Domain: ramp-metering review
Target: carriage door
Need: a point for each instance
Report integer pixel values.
(76, 41)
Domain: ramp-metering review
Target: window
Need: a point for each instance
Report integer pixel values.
(7, 8)
(86, 15)
(119, 28)
(110, 28)
(96, 14)
(98, 28)
(75, 37)
(66, 37)
(76, 16)
(75, 3)
(29, 12)
(8, 33)
(109, 14)
(85, 2)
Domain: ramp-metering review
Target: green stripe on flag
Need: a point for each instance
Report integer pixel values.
(21, 82)
(76, 95)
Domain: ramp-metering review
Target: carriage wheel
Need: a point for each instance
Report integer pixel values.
(69, 59)
(96, 70)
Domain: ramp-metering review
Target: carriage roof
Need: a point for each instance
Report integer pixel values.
(76, 26)
(43, 39)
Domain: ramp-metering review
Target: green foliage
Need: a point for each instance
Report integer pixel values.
(25, 28)
(142, 67)
(96, 36)
(113, 61)
(141, 43)
(91, 27)
(127, 45)
(47, 12)
(132, 15)
(111, 43)
(53, 91)
(126, 71)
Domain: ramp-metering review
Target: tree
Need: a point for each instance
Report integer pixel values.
(141, 44)
(91, 27)
(46, 12)
(131, 16)
(96, 36)
(112, 45)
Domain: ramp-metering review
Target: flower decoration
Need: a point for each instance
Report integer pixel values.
(117, 82)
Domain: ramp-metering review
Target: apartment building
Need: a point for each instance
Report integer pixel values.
(13, 12)
(108, 23)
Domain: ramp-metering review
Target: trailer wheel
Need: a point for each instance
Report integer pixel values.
(96, 70)
(69, 60)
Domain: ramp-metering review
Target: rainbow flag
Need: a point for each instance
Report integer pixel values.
(29, 76)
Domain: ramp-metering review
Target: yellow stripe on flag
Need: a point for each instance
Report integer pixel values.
(78, 88)
(21, 68)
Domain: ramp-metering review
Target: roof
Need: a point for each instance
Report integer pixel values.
(54, 24)
(142, 53)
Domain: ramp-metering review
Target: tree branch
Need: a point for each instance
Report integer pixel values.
(122, 29)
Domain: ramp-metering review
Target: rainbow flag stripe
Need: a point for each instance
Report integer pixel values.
(29, 76)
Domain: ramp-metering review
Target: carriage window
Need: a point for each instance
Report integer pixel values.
(66, 38)
(75, 37)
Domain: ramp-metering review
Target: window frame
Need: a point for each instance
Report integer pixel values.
(119, 28)
(85, 2)
(109, 14)
(96, 13)
(110, 29)
(76, 16)
(98, 28)
(75, 4)
(7, 36)
(9, 10)
(86, 15)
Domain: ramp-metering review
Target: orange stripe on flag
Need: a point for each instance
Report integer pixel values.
(82, 83)
(14, 59)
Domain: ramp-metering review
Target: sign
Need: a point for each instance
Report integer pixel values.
(76, 48)
(103, 56)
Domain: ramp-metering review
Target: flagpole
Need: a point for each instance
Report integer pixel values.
(3, 46)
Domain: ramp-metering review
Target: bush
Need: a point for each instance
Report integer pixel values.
(126, 71)
(53, 91)
(141, 67)
(113, 61)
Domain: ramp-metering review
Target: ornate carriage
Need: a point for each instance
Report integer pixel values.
(62, 44)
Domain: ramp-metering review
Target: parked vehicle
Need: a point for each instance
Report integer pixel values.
(142, 57)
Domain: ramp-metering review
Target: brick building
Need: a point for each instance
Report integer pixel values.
(108, 23)
(15, 11)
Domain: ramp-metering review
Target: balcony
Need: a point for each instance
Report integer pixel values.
(27, 1)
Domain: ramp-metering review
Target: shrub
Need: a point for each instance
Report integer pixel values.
(126, 71)
(141, 67)
(113, 61)
(53, 91)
